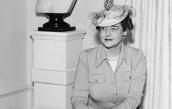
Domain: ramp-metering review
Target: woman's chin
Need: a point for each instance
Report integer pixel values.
(108, 46)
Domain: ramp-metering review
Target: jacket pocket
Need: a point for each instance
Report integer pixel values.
(96, 78)
(126, 76)
(137, 79)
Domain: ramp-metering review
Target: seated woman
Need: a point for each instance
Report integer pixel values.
(111, 75)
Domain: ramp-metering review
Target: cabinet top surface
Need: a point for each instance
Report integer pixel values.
(58, 35)
(68, 33)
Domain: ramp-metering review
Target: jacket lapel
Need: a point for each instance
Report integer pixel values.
(124, 59)
(100, 55)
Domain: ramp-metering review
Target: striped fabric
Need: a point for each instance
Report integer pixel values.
(108, 4)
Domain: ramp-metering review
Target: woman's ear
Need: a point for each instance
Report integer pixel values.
(125, 33)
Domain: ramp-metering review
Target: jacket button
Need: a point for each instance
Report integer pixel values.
(130, 77)
(96, 80)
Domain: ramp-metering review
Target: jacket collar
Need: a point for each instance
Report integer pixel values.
(101, 55)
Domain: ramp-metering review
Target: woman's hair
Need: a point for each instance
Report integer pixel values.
(126, 23)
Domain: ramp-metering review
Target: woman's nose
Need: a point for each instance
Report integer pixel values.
(108, 32)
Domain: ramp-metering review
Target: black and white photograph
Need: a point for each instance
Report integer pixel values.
(86, 54)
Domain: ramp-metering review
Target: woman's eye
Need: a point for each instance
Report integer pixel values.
(103, 28)
(114, 29)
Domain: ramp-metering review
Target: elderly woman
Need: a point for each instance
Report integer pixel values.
(111, 75)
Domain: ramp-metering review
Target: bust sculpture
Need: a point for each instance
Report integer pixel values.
(57, 11)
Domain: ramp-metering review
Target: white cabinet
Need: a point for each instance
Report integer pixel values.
(55, 61)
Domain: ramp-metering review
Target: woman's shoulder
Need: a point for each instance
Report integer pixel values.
(89, 51)
(138, 61)
(133, 49)
(92, 50)
(135, 53)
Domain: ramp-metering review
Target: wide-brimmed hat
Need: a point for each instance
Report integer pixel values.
(111, 14)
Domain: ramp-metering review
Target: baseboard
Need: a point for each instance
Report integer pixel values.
(20, 97)
(16, 89)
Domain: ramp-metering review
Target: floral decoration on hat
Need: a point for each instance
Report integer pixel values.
(111, 14)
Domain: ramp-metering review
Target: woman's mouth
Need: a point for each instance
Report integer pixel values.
(108, 39)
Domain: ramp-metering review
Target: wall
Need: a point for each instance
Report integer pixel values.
(15, 86)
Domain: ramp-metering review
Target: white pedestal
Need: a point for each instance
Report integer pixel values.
(55, 62)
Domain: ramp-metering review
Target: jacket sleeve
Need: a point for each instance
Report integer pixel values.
(81, 90)
(137, 82)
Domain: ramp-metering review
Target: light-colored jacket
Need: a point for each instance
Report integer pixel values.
(97, 86)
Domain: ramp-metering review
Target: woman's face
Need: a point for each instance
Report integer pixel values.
(111, 36)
